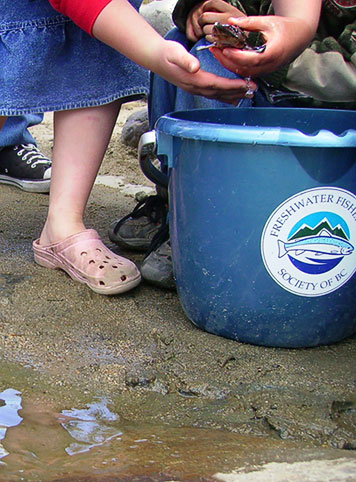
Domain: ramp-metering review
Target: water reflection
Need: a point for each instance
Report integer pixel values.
(92, 443)
(10, 404)
(89, 427)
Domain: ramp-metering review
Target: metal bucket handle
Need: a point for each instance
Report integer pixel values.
(147, 152)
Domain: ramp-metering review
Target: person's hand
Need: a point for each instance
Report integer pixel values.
(202, 17)
(285, 37)
(193, 30)
(182, 69)
(216, 11)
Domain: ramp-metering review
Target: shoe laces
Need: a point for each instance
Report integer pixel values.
(153, 207)
(158, 239)
(31, 155)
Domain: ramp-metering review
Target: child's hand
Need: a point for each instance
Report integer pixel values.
(202, 17)
(285, 37)
(179, 67)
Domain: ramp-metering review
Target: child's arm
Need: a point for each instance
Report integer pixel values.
(83, 13)
(287, 34)
(119, 25)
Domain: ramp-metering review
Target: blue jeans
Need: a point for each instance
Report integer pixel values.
(15, 131)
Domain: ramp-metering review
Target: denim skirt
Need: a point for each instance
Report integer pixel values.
(47, 63)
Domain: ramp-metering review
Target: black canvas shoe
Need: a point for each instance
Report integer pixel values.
(24, 166)
(137, 229)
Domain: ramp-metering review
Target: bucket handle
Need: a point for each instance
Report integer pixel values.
(146, 152)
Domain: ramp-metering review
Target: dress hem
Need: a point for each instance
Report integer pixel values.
(143, 91)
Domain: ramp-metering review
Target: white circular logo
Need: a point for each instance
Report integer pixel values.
(308, 244)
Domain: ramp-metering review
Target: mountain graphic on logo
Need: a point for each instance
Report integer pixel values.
(305, 230)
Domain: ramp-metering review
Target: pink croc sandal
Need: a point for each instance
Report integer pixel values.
(87, 260)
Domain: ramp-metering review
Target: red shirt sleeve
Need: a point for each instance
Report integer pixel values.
(82, 12)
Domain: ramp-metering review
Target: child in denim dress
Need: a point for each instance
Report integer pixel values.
(48, 63)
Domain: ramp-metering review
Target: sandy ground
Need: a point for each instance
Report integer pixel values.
(64, 342)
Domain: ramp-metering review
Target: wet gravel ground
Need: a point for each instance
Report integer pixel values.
(65, 342)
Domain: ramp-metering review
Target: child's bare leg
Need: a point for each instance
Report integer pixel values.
(81, 138)
(2, 121)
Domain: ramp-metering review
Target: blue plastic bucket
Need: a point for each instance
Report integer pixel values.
(263, 222)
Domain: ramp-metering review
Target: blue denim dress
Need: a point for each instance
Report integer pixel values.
(47, 63)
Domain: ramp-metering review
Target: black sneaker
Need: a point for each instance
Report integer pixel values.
(137, 229)
(26, 167)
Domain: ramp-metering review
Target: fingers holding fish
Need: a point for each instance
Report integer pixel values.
(208, 19)
(273, 31)
(193, 30)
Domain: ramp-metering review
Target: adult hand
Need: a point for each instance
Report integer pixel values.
(202, 17)
(285, 37)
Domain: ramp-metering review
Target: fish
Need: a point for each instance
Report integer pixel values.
(226, 35)
(324, 244)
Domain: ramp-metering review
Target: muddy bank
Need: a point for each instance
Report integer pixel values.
(63, 343)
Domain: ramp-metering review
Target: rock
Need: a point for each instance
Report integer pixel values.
(134, 127)
(158, 13)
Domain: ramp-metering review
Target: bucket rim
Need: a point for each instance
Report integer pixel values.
(173, 125)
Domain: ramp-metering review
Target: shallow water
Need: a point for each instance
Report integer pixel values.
(92, 442)
(50, 432)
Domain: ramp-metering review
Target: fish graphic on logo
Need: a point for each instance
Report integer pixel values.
(316, 253)
(314, 246)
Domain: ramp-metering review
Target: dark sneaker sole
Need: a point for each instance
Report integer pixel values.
(28, 186)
